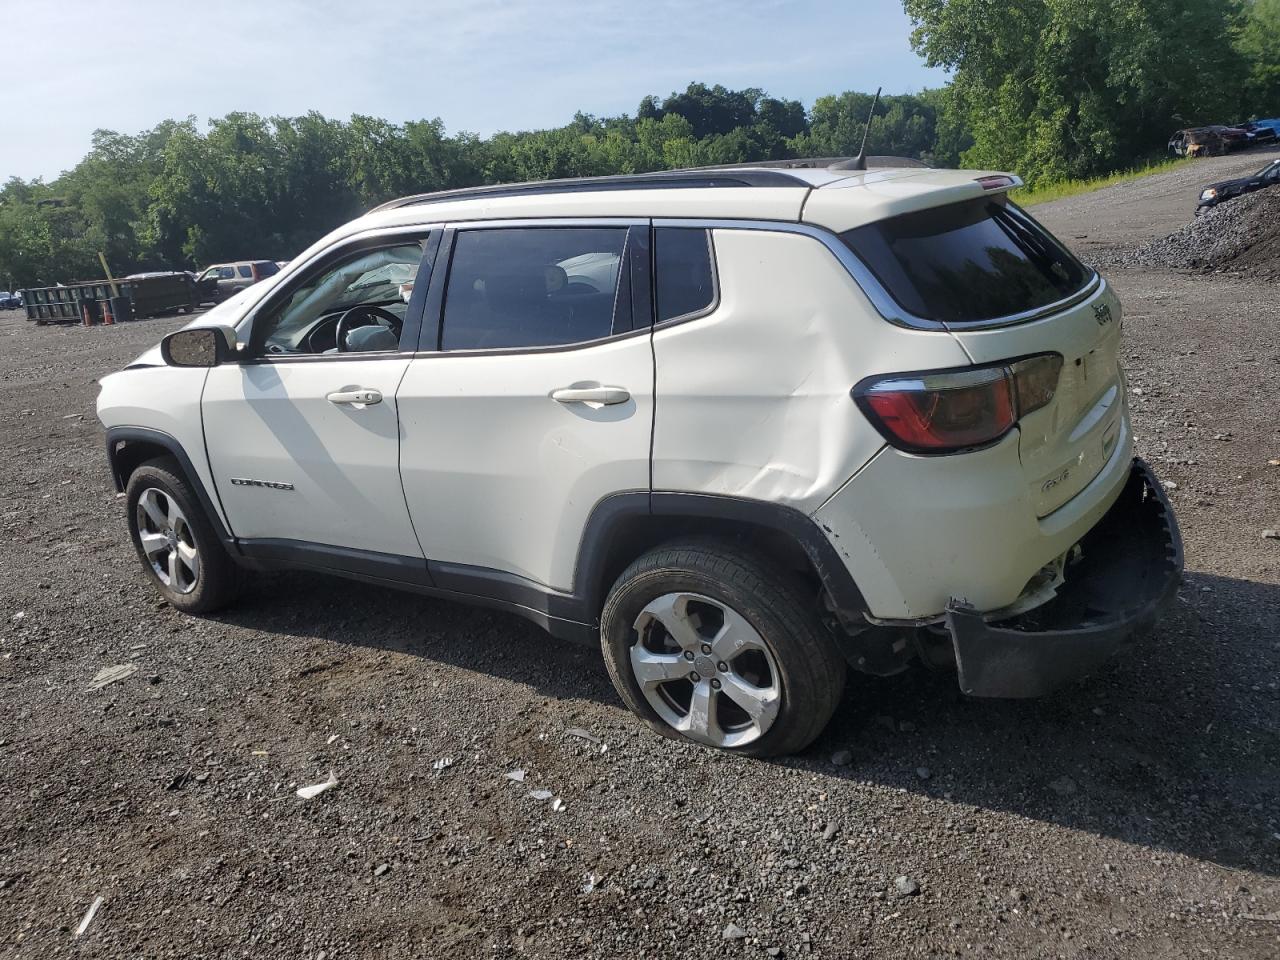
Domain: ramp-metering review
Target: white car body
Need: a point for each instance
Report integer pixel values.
(469, 478)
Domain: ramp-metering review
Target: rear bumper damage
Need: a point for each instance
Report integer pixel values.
(1129, 567)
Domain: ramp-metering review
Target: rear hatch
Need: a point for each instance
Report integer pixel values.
(988, 273)
(1065, 444)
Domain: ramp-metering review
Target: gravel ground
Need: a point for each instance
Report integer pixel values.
(1113, 222)
(1133, 815)
(1239, 237)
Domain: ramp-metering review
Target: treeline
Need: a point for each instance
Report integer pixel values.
(250, 187)
(1049, 88)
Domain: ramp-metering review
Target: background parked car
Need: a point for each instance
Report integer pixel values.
(222, 280)
(10, 301)
(1207, 141)
(1216, 193)
(1262, 131)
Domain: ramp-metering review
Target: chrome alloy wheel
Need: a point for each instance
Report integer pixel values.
(705, 670)
(167, 540)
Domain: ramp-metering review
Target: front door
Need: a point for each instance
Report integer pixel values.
(532, 400)
(303, 436)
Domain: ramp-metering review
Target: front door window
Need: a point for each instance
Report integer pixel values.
(357, 305)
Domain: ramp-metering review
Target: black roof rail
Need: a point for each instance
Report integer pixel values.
(820, 163)
(744, 176)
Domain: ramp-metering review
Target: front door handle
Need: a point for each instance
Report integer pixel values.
(360, 397)
(602, 395)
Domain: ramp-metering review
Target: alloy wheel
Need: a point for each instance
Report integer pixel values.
(167, 540)
(705, 670)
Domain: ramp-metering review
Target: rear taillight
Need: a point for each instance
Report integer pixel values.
(951, 410)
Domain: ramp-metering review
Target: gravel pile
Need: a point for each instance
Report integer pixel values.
(1241, 236)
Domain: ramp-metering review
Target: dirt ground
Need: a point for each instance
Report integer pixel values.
(1132, 815)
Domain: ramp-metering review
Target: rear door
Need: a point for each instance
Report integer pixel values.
(531, 400)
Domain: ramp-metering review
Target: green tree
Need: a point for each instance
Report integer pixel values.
(1259, 43)
(1067, 88)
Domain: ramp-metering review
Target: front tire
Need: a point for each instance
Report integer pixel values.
(179, 549)
(709, 643)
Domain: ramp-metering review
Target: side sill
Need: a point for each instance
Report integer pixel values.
(471, 585)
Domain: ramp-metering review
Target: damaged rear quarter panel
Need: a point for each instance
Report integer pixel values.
(753, 400)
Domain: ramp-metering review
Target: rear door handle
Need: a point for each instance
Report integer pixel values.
(359, 397)
(602, 395)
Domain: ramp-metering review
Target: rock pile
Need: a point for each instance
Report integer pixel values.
(1241, 236)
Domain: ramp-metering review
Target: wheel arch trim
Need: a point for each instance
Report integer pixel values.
(612, 515)
(119, 436)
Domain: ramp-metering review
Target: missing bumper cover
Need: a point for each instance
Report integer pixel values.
(1131, 567)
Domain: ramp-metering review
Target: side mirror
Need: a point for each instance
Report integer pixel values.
(199, 347)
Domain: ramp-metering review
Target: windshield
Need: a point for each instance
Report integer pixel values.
(965, 262)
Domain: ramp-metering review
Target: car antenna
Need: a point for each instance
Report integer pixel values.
(860, 161)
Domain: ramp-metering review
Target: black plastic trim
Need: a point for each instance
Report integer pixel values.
(801, 528)
(478, 586)
(1129, 571)
(432, 331)
(492, 584)
(388, 567)
(640, 265)
(121, 435)
(572, 615)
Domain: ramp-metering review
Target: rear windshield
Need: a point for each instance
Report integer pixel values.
(965, 262)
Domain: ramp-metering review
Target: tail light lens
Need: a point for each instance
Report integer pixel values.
(948, 411)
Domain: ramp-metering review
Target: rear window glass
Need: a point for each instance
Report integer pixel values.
(245, 271)
(267, 268)
(977, 260)
(684, 282)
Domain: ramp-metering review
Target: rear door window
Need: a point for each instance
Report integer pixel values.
(977, 260)
(245, 270)
(684, 276)
(534, 287)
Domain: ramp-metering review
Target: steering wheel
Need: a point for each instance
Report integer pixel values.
(370, 315)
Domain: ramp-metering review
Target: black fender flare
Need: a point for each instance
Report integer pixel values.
(119, 436)
(614, 513)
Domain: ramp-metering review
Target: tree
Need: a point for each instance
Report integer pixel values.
(1069, 88)
(1259, 43)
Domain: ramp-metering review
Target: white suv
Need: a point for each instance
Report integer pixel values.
(745, 427)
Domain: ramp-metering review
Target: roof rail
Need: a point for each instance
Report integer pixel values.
(743, 176)
(819, 163)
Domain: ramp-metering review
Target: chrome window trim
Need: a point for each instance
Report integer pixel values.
(880, 299)
(577, 221)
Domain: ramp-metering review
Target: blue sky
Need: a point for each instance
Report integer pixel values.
(480, 65)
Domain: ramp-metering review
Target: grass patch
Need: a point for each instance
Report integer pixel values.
(1030, 196)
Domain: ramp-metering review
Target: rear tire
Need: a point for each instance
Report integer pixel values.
(708, 643)
(180, 551)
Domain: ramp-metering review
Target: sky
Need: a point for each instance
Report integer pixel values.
(73, 66)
